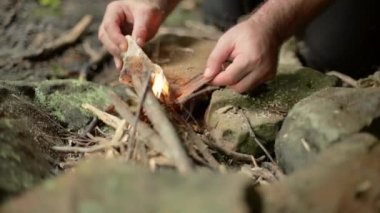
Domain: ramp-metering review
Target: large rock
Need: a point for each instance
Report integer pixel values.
(26, 135)
(370, 81)
(345, 178)
(119, 187)
(264, 110)
(319, 121)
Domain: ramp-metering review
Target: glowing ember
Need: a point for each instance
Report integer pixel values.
(160, 84)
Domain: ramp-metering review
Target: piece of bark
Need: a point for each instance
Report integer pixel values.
(189, 88)
(135, 61)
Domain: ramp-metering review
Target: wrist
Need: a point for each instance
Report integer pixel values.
(164, 6)
(267, 29)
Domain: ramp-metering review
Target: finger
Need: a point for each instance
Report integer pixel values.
(110, 46)
(140, 27)
(118, 63)
(234, 72)
(218, 56)
(113, 19)
(249, 82)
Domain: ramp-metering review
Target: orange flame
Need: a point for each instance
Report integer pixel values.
(160, 84)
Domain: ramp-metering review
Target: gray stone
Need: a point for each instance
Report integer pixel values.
(344, 178)
(265, 110)
(370, 81)
(320, 120)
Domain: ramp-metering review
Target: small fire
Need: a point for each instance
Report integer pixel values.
(160, 84)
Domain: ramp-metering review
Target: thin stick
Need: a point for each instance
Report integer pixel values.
(114, 142)
(119, 132)
(90, 149)
(202, 147)
(253, 135)
(145, 132)
(95, 62)
(90, 126)
(67, 39)
(236, 155)
(165, 129)
(345, 78)
(108, 119)
(137, 118)
(200, 92)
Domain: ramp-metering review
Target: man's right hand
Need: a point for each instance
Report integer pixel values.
(139, 18)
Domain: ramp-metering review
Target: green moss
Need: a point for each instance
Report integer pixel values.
(266, 107)
(7, 153)
(63, 98)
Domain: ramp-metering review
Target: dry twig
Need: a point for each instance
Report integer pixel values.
(139, 109)
(253, 135)
(345, 78)
(145, 132)
(165, 129)
(96, 59)
(108, 119)
(232, 154)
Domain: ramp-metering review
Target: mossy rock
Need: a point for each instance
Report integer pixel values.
(265, 110)
(322, 120)
(121, 187)
(63, 98)
(26, 135)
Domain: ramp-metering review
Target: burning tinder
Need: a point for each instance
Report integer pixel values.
(136, 62)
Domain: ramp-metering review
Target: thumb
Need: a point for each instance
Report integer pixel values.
(218, 56)
(140, 28)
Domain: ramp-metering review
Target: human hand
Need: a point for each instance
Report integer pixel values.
(253, 49)
(139, 18)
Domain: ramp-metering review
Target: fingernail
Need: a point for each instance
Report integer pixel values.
(124, 46)
(117, 63)
(140, 42)
(207, 73)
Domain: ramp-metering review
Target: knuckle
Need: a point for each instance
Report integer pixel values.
(101, 34)
(231, 80)
(106, 27)
(239, 88)
(112, 5)
(271, 76)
